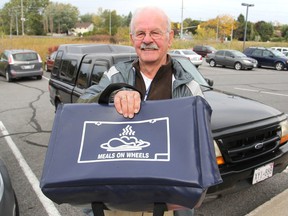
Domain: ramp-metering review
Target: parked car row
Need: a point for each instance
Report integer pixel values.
(251, 57)
(231, 58)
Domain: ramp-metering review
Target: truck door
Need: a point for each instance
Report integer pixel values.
(89, 74)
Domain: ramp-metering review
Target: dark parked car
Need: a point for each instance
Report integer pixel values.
(267, 57)
(203, 50)
(20, 63)
(48, 65)
(250, 138)
(231, 58)
(8, 201)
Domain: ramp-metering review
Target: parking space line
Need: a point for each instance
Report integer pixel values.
(45, 78)
(263, 92)
(47, 204)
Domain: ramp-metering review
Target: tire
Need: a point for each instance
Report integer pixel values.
(16, 212)
(8, 78)
(238, 66)
(57, 102)
(212, 63)
(39, 77)
(279, 66)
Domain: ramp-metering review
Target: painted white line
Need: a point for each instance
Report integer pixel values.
(45, 78)
(48, 204)
(263, 92)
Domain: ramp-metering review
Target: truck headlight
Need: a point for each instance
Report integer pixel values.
(284, 130)
(219, 157)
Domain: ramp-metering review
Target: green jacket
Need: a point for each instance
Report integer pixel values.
(123, 72)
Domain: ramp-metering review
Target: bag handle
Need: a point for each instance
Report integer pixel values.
(105, 95)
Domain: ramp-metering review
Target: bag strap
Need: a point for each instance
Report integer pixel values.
(98, 209)
(159, 209)
(105, 95)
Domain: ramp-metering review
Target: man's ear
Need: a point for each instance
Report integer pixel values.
(171, 37)
(131, 38)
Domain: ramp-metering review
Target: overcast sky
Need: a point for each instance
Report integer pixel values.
(266, 10)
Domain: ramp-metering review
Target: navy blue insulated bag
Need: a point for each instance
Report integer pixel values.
(165, 155)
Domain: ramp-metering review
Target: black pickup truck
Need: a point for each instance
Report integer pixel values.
(250, 138)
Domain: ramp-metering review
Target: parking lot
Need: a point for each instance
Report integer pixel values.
(27, 117)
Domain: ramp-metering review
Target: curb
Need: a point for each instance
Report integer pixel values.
(278, 205)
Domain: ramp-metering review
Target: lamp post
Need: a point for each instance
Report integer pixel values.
(245, 31)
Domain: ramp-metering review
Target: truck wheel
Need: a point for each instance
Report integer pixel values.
(57, 102)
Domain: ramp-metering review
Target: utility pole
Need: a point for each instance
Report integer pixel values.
(110, 22)
(17, 32)
(181, 31)
(22, 17)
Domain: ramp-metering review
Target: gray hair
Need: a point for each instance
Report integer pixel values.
(139, 10)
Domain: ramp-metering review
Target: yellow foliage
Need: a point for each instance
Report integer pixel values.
(205, 34)
(223, 24)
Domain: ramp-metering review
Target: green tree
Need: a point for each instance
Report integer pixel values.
(265, 30)
(239, 31)
(126, 20)
(284, 32)
(60, 17)
(11, 15)
(191, 25)
(111, 21)
(86, 17)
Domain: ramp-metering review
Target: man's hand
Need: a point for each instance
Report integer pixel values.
(127, 103)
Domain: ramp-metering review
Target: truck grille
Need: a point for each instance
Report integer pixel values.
(249, 144)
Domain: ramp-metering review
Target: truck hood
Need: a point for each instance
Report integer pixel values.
(231, 111)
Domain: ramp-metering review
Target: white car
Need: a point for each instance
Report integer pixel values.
(193, 57)
(283, 50)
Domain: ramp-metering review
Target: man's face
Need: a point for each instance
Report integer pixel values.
(150, 37)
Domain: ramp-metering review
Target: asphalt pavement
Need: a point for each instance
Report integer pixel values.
(278, 205)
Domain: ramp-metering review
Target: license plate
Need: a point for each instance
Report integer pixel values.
(262, 173)
(25, 67)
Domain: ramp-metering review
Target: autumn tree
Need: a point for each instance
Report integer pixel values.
(205, 34)
(221, 25)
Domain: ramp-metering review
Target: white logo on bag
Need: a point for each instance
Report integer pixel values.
(126, 142)
(138, 141)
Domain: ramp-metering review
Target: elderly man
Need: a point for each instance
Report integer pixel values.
(155, 74)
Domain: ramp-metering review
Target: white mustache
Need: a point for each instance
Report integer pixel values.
(149, 46)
